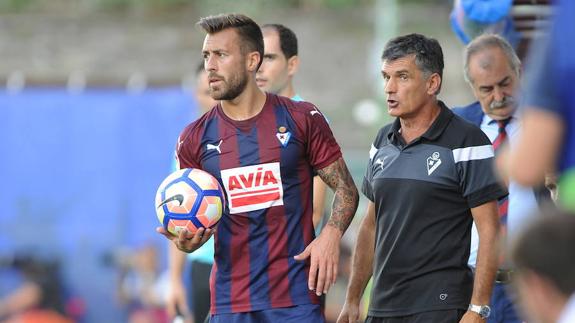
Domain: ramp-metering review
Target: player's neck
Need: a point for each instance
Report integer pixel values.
(415, 126)
(246, 105)
(288, 91)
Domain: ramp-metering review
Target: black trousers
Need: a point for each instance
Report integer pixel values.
(200, 290)
(446, 316)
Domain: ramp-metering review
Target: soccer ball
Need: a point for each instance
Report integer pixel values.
(189, 198)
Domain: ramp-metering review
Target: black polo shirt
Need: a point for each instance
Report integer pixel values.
(423, 193)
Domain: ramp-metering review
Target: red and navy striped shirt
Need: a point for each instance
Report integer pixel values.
(265, 165)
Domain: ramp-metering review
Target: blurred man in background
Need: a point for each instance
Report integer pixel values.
(545, 266)
(280, 62)
(40, 296)
(492, 69)
(192, 304)
(275, 75)
(142, 286)
(202, 92)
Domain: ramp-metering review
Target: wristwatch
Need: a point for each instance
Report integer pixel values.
(482, 310)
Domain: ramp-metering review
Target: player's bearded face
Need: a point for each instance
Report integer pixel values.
(230, 87)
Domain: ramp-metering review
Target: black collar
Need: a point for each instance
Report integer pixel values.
(434, 131)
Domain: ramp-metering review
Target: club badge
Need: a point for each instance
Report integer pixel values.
(283, 135)
(433, 162)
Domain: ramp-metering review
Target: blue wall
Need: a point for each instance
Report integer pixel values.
(78, 175)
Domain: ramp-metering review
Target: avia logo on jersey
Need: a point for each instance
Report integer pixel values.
(251, 188)
(433, 162)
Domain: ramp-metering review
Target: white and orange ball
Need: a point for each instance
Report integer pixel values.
(189, 198)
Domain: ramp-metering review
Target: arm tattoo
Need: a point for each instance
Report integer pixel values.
(346, 197)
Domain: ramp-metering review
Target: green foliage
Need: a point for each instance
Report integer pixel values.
(16, 5)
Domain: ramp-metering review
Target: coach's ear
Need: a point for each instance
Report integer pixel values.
(433, 84)
(252, 61)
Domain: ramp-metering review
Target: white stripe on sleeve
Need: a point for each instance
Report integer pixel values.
(372, 152)
(473, 153)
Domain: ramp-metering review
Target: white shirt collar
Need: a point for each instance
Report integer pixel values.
(487, 120)
(568, 313)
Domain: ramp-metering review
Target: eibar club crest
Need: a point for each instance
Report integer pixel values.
(283, 135)
(433, 162)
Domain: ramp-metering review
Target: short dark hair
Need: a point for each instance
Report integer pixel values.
(545, 247)
(288, 39)
(248, 30)
(427, 51)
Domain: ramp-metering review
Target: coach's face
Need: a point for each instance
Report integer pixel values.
(226, 64)
(494, 82)
(406, 87)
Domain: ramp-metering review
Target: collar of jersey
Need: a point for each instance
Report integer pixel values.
(436, 129)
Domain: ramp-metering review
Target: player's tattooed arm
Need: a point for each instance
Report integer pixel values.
(346, 197)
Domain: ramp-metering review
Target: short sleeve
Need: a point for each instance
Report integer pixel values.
(367, 187)
(186, 151)
(474, 162)
(322, 148)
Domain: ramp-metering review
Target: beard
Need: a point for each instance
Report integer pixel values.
(232, 89)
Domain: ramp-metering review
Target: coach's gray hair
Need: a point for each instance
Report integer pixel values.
(486, 41)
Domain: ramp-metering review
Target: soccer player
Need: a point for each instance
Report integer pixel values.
(268, 266)
(201, 261)
(428, 177)
(275, 76)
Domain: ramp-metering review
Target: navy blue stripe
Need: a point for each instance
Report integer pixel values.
(293, 205)
(249, 154)
(211, 164)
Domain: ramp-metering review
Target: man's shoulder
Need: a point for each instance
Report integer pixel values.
(462, 133)
(292, 104)
(471, 113)
(381, 136)
(300, 111)
(196, 126)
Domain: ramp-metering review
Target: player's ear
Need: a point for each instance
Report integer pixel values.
(252, 61)
(293, 65)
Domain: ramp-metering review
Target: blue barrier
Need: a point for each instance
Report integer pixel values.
(78, 175)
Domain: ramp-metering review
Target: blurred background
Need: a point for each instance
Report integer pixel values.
(93, 94)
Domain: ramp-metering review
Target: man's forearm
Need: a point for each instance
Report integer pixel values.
(176, 262)
(346, 197)
(362, 264)
(319, 188)
(487, 263)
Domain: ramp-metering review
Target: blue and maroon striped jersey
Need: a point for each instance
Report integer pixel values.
(265, 165)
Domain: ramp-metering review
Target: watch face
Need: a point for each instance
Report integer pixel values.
(485, 311)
